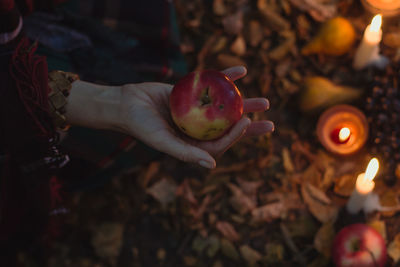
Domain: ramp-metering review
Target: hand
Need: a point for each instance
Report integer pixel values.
(146, 116)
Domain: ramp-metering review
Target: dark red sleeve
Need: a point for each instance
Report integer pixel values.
(11, 11)
(9, 16)
(28, 6)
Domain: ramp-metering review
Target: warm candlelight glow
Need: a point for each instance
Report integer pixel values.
(367, 53)
(372, 169)
(365, 183)
(342, 129)
(387, 8)
(364, 187)
(376, 23)
(344, 134)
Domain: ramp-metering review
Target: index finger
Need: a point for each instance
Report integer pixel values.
(255, 104)
(235, 73)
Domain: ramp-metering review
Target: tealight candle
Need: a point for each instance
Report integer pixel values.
(342, 129)
(341, 135)
(364, 187)
(367, 52)
(388, 8)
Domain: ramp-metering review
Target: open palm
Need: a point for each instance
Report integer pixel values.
(145, 107)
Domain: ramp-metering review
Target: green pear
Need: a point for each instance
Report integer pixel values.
(319, 92)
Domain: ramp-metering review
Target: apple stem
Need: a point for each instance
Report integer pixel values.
(205, 98)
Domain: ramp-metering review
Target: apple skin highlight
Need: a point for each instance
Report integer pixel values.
(205, 104)
(359, 245)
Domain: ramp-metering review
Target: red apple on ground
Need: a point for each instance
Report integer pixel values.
(205, 104)
(359, 245)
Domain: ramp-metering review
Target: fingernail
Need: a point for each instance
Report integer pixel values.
(206, 164)
(267, 108)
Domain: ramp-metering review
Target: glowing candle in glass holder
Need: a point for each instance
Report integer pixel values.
(342, 129)
(388, 8)
(344, 134)
(364, 187)
(341, 135)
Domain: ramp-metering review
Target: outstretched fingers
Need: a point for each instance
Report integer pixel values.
(255, 104)
(257, 128)
(230, 138)
(235, 73)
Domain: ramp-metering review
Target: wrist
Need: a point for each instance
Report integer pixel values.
(94, 106)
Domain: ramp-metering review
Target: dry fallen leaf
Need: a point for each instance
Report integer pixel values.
(214, 246)
(312, 175)
(389, 199)
(250, 255)
(107, 241)
(290, 201)
(347, 167)
(227, 61)
(344, 186)
(239, 201)
(233, 24)
(274, 253)
(393, 249)
(219, 44)
(150, 172)
(318, 194)
(304, 227)
(318, 204)
(327, 178)
(189, 260)
(250, 187)
(199, 243)
(280, 51)
(392, 39)
(320, 10)
(272, 18)
(323, 160)
(198, 210)
(208, 45)
(227, 230)
(184, 190)
(268, 213)
(164, 191)
(161, 254)
(324, 238)
(219, 7)
(228, 249)
(238, 46)
(287, 160)
(254, 33)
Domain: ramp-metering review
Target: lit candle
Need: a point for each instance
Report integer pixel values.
(368, 51)
(341, 135)
(363, 189)
(344, 134)
(388, 8)
(342, 129)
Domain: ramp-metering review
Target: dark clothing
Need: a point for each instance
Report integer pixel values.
(107, 42)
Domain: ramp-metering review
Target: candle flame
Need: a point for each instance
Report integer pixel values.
(376, 23)
(344, 133)
(372, 169)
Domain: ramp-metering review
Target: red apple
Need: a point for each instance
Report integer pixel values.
(205, 104)
(359, 245)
